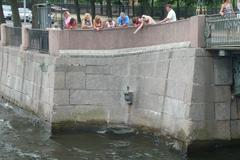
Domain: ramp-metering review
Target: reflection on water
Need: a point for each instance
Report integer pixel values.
(24, 137)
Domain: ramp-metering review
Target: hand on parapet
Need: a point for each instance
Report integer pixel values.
(160, 22)
(139, 27)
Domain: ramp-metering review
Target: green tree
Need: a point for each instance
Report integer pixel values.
(15, 13)
(2, 20)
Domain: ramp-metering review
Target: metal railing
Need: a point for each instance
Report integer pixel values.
(222, 32)
(13, 36)
(38, 40)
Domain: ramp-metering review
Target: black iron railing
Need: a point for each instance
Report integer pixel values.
(222, 31)
(13, 36)
(38, 40)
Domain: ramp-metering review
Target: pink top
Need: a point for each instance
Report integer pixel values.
(66, 21)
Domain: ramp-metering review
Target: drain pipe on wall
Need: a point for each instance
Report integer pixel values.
(233, 99)
(128, 97)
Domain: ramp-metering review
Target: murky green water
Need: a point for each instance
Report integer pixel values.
(23, 137)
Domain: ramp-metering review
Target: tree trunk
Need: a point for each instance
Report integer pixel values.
(109, 8)
(133, 7)
(77, 11)
(34, 14)
(178, 9)
(93, 13)
(152, 8)
(101, 7)
(15, 14)
(2, 20)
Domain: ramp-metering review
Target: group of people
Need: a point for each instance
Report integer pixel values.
(122, 21)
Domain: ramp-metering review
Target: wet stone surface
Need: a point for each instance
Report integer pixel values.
(24, 137)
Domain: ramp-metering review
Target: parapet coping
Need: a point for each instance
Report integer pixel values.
(124, 51)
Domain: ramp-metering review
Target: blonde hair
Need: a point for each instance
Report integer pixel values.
(87, 16)
(97, 18)
(87, 21)
(66, 13)
(145, 17)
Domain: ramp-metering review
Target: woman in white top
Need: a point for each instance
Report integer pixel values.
(171, 17)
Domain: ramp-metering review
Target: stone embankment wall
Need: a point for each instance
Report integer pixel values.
(27, 79)
(90, 85)
(182, 92)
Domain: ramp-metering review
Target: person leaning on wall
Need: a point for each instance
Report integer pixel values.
(145, 20)
(87, 21)
(123, 20)
(98, 24)
(67, 19)
(72, 24)
(110, 23)
(69, 22)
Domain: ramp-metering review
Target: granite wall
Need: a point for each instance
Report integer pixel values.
(26, 79)
(179, 91)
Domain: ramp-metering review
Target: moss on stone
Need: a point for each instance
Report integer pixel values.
(200, 133)
(95, 114)
(74, 126)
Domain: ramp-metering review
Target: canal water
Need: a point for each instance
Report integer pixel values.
(24, 137)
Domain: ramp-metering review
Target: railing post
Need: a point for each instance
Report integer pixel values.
(54, 38)
(3, 35)
(25, 38)
(197, 26)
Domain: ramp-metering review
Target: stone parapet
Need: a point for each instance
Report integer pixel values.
(188, 30)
